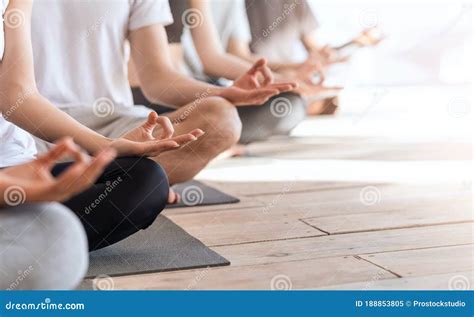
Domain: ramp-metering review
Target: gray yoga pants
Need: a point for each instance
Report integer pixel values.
(42, 247)
(278, 116)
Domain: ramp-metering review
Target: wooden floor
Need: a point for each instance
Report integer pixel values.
(407, 225)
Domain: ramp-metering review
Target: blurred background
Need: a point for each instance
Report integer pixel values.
(413, 90)
(427, 42)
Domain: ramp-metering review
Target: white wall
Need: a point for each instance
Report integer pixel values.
(427, 42)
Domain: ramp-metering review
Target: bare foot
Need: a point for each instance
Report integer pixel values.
(369, 37)
(315, 107)
(173, 197)
(327, 106)
(235, 151)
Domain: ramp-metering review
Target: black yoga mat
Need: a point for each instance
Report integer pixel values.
(164, 246)
(195, 193)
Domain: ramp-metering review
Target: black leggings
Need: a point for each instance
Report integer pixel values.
(127, 197)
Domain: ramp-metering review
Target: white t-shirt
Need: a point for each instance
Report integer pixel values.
(277, 27)
(230, 20)
(3, 7)
(80, 47)
(16, 146)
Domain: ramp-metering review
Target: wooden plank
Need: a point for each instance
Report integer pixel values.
(298, 275)
(372, 196)
(247, 192)
(431, 214)
(255, 189)
(244, 203)
(343, 207)
(242, 226)
(449, 281)
(277, 220)
(347, 244)
(426, 261)
(366, 149)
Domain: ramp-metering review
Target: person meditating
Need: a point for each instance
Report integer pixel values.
(80, 66)
(50, 212)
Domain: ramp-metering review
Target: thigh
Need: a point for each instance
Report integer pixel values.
(189, 117)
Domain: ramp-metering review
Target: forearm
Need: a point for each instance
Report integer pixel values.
(36, 115)
(21, 102)
(170, 88)
(3, 188)
(216, 60)
(160, 81)
(310, 42)
(5, 183)
(13, 190)
(282, 67)
(224, 65)
(253, 58)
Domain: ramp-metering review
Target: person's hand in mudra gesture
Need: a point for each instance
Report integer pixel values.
(256, 86)
(34, 182)
(153, 137)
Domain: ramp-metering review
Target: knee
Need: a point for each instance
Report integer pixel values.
(57, 241)
(278, 116)
(221, 122)
(287, 111)
(150, 192)
(288, 107)
(69, 253)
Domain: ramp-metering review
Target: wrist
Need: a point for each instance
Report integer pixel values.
(98, 144)
(215, 91)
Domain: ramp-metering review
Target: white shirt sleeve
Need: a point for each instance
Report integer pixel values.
(241, 27)
(3, 7)
(148, 12)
